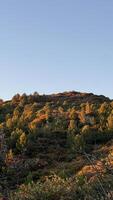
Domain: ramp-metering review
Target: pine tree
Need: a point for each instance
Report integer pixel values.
(110, 121)
(88, 108)
(9, 157)
(72, 125)
(22, 139)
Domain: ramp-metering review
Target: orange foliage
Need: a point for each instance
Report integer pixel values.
(41, 118)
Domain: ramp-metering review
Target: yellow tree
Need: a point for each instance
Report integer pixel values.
(72, 114)
(9, 123)
(110, 121)
(103, 108)
(72, 125)
(88, 108)
(9, 157)
(22, 139)
(21, 142)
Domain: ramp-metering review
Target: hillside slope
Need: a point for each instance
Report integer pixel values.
(56, 146)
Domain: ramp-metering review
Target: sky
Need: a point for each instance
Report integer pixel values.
(53, 46)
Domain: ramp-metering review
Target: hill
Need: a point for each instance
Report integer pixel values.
(56, 146)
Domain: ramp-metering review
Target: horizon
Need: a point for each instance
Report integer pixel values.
(56, 46)
(54, 93)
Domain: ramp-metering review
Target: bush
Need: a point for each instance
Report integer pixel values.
(56, 188)
(97, 137)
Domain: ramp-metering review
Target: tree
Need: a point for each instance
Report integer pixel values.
(65, 103)
(48, 112)
(88, 108)
(21, 142)
(103, 115)
(72, 125)
(111, 104)
(110, 121)
(103, 108)
(61, 110)
(85, 128)
(9, 124)
(9, 157)
(82, 116)
(22, 139)
(16, 98)
(16, 139)
(72, 114)
(23, 100)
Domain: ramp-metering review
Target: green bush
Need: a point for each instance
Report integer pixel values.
(56, 188)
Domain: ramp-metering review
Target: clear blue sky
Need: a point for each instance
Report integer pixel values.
(56, 45)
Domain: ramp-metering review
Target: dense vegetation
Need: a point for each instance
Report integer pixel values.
(56, 147)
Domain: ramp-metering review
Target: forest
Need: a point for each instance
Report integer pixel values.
(56, 147)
